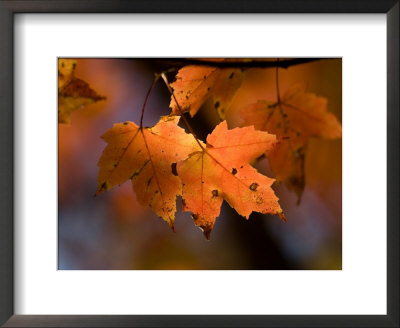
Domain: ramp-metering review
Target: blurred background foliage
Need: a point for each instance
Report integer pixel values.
(113, 231)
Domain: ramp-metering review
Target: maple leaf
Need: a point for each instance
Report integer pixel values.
(297, 117)
(194, 85)
(148, 157)
(73, 93)
(222, 171)
(66, 69)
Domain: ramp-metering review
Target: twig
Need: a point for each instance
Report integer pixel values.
(156, 77)
(256, 63)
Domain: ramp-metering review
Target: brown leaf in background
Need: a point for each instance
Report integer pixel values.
(298, 117)
(73, 93)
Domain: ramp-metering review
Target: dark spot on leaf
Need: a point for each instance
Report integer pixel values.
(149, 181)
(125, 123)
(284, 115)
(215, 193)
(62, 64)
(241, 167)
(231, 76)
(204, 77)
(297, 133)
(73, 65)
(208, 89)
(234, 171)
(195, 217)
(156, 191)
(115, 165)
(103, 186)
(162, 150)
(216, 105)
(173, 168)
(187, 97)
(253, 186)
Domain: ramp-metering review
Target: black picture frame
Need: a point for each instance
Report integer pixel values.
(7, 10)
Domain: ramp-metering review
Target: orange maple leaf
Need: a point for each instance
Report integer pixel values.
(221, 170)
(194, 85)
(148, 157)
(297, 117)
(73, 93)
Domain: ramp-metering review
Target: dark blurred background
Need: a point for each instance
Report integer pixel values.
(114, 232)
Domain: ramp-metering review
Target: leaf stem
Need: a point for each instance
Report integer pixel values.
(278, 96)
(277, 81)
(156, 77)
(165, 79)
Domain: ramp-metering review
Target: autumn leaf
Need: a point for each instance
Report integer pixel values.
(297, 117)
(222, 171)
(194, 85)
(66, 69)
(73, 93)
(148, 157)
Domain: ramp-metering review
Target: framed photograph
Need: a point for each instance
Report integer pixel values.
(208, 164)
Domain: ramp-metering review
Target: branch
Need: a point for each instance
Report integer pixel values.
(256, 63)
